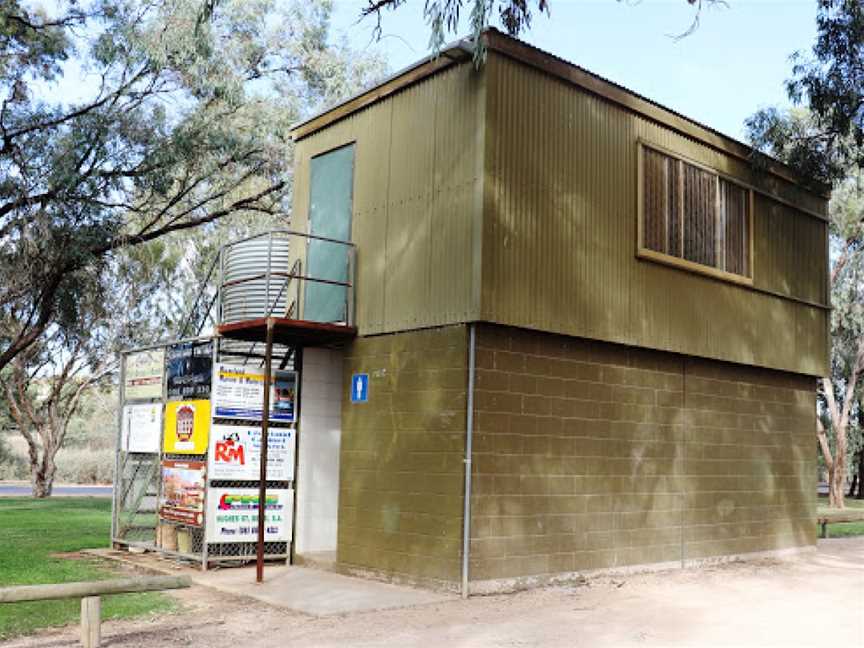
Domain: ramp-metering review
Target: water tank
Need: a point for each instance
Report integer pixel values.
(251, 299)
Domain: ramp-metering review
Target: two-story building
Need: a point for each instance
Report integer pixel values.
(587, 330)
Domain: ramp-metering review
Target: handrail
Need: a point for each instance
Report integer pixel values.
(291, 233)
(284, 286)
(252, 275)
(287, 275)
(188, 319)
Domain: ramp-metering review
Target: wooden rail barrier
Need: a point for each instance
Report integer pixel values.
(89, 593)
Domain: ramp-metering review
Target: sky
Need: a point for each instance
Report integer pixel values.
(735, 62)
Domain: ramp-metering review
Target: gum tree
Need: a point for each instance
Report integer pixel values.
(825, 143)
(444, 17)
(180, 118)
(128, 129)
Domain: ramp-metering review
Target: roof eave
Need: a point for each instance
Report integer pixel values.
(462, 50)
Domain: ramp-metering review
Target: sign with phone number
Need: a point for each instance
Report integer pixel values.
(232, 515)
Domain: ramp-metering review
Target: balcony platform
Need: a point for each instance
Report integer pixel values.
(289, 332)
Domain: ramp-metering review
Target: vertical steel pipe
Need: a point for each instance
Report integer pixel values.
(262, 475)
(118, 476)
(469, 443)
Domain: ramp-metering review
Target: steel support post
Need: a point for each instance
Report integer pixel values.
(265, 425)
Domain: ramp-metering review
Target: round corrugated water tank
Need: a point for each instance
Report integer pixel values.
(252, 299)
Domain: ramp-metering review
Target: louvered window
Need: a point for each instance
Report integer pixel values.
(694, 215)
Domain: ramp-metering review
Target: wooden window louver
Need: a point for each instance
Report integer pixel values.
(694, 218)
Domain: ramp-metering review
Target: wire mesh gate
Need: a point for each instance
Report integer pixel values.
(142, 465)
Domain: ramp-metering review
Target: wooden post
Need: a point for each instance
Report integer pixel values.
(91, 631)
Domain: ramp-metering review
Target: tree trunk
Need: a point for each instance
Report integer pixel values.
(832, 495)
(42, 486)
(860, 494)
(840, 467)
(42, 470)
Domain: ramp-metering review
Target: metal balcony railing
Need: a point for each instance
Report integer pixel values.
(287, 274)
(281, 273)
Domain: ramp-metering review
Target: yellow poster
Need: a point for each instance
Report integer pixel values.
(187, 427)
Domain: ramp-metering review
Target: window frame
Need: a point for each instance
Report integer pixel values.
(663, 258)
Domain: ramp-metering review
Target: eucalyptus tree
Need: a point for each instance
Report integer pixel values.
(180, 117)
(841, 390)
(444, 17)
(128, 132)
(825, 143)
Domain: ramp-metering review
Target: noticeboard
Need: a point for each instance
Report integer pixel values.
(143, 375)
(141, 427)
(187, 427)
(190, 370)
(183, 484)
(238, 394)
(235, 453)
(232, 515)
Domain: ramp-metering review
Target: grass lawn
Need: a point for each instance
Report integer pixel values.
(30, 532)
(840, 530)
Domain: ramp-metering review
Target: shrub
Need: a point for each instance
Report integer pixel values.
(85, 465)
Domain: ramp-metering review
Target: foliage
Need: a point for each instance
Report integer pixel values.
(65, 524)
(184, 122)
(830, 81)
(187, 122)
(825, 144)
(444, 17)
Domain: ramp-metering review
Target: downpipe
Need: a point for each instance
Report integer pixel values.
(469, 442)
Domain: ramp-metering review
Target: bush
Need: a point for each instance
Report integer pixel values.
(12, 464)
(84, 465)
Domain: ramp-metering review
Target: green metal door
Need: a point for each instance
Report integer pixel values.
(330, 203)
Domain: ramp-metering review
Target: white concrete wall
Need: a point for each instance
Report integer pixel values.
(318, 461)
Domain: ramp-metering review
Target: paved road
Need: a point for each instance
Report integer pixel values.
(23, 490)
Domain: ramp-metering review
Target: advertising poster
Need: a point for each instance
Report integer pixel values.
(187, 426)
(238, 392)
(183, 492)
(190, 369)
(141, 428)
(143, 376)
(235, 453)
(233, 515)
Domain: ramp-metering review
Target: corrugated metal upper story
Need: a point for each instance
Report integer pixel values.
(461, 52)
(514, 194)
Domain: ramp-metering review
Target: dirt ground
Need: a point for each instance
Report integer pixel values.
(812, 600)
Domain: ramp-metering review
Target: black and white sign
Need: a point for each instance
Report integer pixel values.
(190, 370)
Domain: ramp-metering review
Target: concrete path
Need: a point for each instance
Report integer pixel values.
(309, 591)
(318, 593)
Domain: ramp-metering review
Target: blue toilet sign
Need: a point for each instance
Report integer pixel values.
(360, 388)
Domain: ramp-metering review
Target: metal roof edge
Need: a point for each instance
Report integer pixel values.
(456, 52)
(461, 51)
(556, 66)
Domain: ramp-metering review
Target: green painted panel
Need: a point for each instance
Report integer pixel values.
(330, 205)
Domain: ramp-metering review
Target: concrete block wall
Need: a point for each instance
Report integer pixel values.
(590, 455)
(402, 456)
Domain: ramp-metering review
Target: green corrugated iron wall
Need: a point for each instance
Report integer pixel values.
(559, 236)
(417, 198)
(510, 196)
